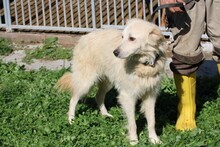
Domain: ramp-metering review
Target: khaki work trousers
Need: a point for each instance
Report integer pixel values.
(187, 29)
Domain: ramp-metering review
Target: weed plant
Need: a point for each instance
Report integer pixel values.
(50, 50)
(33, 113)
(5, 46)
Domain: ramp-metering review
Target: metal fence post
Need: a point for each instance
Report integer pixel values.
(6, 5)
(93, 14)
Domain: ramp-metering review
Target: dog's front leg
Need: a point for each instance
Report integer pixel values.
(148, 107)
(128, 105)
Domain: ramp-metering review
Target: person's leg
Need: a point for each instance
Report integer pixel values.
(213, 24)
(187, 29)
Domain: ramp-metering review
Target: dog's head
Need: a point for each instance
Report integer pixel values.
(140, 37)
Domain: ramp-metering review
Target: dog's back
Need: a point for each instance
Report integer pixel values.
(93, 54)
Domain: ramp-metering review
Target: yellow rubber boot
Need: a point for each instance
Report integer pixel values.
(218, 67)
(186, 91)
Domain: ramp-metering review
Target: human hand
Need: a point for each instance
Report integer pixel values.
(173, 9)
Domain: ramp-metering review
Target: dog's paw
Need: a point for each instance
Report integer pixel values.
(133, 138)
(107, 115)
(71, 119)
(133, 142)
(155, 141)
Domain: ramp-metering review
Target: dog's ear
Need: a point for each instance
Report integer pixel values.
(155, 36)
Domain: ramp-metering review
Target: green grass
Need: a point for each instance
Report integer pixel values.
(33, 113)
(50, 50)
(5, 46)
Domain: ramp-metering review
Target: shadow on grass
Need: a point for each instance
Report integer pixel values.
(207, 89)
(166, 112)
(110, 101)
(166, 107)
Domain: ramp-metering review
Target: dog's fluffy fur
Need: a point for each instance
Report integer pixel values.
(131, 60)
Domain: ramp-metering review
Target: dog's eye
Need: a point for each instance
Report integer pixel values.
(122, 36)
(131, 38)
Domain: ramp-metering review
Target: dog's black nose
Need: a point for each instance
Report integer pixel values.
(116, 52)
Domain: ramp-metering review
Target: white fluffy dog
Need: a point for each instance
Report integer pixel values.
(131, 60)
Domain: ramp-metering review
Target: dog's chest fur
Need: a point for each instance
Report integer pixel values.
(136, 79)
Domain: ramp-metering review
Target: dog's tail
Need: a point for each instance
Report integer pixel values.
(65, 83)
